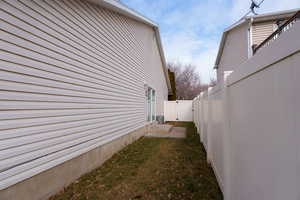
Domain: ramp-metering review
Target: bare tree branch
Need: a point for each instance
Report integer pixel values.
(188, 81)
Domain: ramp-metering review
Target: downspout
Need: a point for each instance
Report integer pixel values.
(250, 38)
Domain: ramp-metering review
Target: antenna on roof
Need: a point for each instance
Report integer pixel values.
(253, 6)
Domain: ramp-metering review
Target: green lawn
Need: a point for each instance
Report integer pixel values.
(151, 168)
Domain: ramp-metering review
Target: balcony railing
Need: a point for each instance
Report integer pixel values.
(284, 27)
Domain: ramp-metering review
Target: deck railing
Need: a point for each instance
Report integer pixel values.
(284, 27)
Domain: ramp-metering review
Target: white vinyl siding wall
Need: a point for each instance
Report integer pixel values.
(260, 31)
(154, 73)
(72, 78)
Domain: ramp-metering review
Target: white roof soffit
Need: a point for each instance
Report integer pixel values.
(122, 9)
(255, 18)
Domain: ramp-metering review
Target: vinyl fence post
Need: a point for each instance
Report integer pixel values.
(201, 117)
(227, 138)
(209, 124)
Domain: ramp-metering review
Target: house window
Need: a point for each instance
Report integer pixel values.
(151, 102)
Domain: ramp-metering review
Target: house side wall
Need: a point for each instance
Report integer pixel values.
(72, 79)
(152, 64)
(235, 50)
(154, 71)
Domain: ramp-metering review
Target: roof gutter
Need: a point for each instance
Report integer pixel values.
(122, 9)
(163, 59)
(221, 47)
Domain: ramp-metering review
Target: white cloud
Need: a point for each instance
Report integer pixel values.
(184, 47)
(151, 9)
(187, 44)
(180, 46)
(205, 62)
(202, 14)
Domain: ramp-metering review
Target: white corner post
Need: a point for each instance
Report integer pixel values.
(201, 117)
(227, 138)
(199, 114)
(209, 124)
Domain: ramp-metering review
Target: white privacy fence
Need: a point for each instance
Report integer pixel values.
(250, 126)
(178, 110)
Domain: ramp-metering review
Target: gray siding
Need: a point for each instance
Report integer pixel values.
(235, 50)
(72, 78)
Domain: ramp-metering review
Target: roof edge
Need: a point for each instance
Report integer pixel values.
(222, 43)
(163, 59)
(270, 14)
(122, 9)
(242, 21)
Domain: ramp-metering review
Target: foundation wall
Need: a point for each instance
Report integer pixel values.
(48, 183)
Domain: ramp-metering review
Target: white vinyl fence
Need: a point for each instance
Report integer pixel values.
(178, 110)
(250, 125)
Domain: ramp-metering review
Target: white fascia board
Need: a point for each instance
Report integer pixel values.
(122, 9)
(163, 58)
(238, 23)
(274, 14)
(221, 47)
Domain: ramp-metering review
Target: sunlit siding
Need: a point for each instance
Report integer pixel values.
(72, 78)
(261, 31)
(154, 72)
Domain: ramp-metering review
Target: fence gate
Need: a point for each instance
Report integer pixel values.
(178, 111)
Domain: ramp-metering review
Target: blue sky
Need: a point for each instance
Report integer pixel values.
(191, 29)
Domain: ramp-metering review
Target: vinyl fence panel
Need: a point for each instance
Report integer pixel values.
(250, 126)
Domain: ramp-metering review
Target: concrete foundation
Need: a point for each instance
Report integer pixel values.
(175, 132)
(48, 183)
(160, 128)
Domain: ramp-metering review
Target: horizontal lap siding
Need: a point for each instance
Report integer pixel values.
(153, 70)
(72, 78)
(261, 31)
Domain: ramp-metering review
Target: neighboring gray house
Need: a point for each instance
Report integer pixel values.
(79, 79)
(239, 40)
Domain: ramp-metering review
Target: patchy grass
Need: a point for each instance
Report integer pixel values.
(151, 168)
